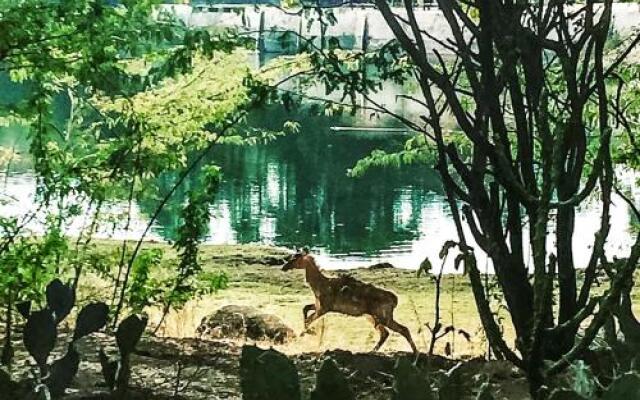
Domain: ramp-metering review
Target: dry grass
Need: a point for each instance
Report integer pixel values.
(267, 288)
(284, 294)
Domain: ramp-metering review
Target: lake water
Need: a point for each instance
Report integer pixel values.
(296, 192)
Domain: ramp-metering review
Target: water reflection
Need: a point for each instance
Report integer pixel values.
(296, 192)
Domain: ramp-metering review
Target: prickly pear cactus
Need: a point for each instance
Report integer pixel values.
(410, 383)
(625, 387)
(267, 375)
(7, 386)
(129, 333)
(62, 372)
(60, 299)
(40, 334)
(91, 319)
(331, 383)
(109, 369)
(41, 331)
(453, 385)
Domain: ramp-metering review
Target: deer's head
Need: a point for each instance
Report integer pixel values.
(296, 261)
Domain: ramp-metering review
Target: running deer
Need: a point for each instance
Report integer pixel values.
(349, 296)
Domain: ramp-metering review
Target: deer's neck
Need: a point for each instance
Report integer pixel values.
(313, 276)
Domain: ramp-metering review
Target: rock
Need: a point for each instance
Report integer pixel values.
(382, 265)
(273, 260)
(244, 322)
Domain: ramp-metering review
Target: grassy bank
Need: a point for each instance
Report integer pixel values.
(256, 280)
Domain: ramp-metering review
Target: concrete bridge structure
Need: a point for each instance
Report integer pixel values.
(357, 27)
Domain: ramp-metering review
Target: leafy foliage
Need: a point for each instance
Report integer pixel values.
(182, 114)
(626, 150)
(144, 289)
(117, 373)
(85, 41)
(416, 151)
(194, 227)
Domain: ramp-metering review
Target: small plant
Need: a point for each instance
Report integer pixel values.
(27, 267)
(117, 373)
(438, 330)
(144, 290)
(41, 334)
(584, 382)
(191, 281)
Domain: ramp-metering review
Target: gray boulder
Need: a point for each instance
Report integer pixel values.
(244, 322)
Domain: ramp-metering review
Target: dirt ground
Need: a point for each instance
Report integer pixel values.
(198, 369)
(177, 364)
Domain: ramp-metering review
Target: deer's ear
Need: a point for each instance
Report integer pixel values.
(305, 250)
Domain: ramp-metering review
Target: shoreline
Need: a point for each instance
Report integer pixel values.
(255, 279)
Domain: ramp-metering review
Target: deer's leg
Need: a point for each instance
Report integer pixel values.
(312, 318)
(306, 309)
(318, 312)
(403, 330)
(384, 333)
